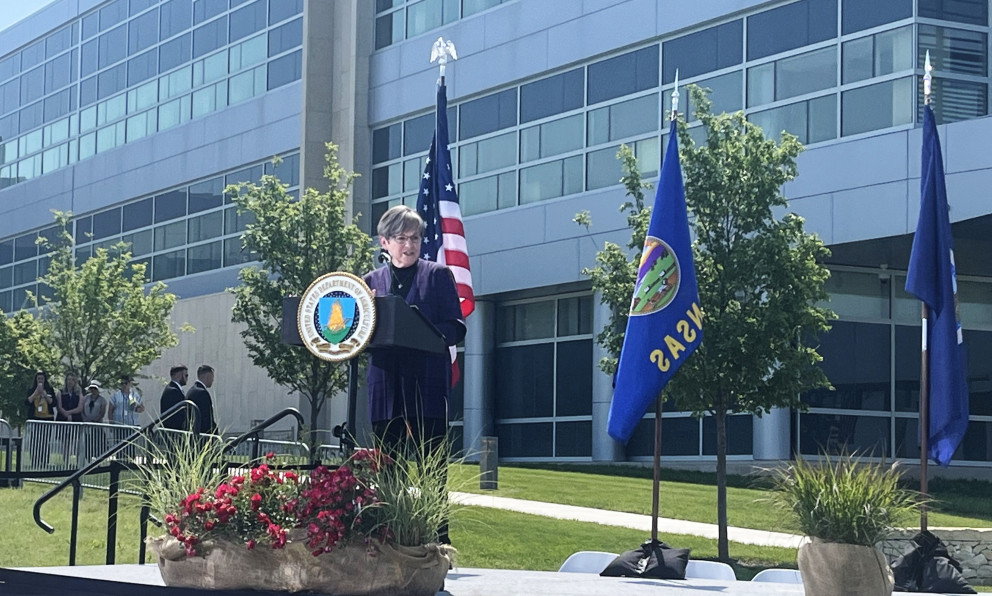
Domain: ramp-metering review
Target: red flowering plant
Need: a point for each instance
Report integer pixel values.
(256, 509)
(370, 497)
(335, 504)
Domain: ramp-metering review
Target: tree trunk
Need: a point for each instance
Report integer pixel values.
(721, 482)
(312, 439)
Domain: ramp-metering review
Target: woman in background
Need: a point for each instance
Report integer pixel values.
(42, 407)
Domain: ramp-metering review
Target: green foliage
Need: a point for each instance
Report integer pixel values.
(615, 272)
(96, 318)
(16, 371)
(296, 241)
(186, 462)
(844, 499)
(760, 278)
(413, 493)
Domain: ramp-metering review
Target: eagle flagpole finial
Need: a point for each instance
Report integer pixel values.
(440, 52)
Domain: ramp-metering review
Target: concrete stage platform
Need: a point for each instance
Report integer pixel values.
(144, 580)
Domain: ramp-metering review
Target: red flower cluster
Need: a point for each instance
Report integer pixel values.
(331, 506)
(257, 509)
(254, 510)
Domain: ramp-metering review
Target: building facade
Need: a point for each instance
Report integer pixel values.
(134, 114)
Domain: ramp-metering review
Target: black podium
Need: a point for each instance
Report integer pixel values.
(398, 327)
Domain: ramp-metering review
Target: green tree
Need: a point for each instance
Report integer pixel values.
(99, 319)
(615, 272)
(295, 241)
(16, 372)
(760, 277)
(96, 318)
(760, 280)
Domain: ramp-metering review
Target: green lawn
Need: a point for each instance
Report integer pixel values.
(494, 538)
(484, 537)
(692, 495)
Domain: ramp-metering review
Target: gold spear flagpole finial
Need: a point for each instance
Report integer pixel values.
(927, 79)
(675, 96)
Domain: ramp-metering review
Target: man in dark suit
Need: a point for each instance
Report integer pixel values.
(199, 395)
(172, 395)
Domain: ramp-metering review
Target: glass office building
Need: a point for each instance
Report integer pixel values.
(135, 113)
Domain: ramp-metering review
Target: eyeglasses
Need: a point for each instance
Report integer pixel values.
(407, 239)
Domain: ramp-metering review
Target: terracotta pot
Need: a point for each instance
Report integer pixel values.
(833, 569)
(351, 570)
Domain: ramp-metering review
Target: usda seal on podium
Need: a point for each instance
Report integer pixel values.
(336, 317)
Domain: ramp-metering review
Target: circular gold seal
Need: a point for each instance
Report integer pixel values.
(336, 317)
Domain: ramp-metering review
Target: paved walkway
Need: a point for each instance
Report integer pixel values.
(627, 520)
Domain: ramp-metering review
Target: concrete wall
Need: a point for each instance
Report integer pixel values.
(242, 392)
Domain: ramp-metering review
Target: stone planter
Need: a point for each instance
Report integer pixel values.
(351, 570)
(833, 569)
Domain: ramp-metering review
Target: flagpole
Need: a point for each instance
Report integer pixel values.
(924, 358)
(659, 403)
(656, 487)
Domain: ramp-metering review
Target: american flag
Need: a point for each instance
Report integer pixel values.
(437, 203)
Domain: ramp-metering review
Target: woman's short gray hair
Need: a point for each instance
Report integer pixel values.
(399, 220)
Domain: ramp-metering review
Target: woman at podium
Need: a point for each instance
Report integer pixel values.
(408, 390)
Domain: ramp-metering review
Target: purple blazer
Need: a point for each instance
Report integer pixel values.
(414, 385)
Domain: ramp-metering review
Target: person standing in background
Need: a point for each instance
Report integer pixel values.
(172, 395)
(94, 411)
(124, 407)
(125, 404)
(70, 409)
(41, 402)
(199, 395)
(70, 400)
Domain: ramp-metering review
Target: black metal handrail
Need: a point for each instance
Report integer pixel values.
(254, 431)
(114, 470)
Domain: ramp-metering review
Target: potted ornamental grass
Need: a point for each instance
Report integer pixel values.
(847, 506)
(368, 526)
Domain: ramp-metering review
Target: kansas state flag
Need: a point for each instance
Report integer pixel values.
(931, 278)
(665, 323)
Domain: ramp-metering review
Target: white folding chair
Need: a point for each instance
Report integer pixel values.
(778, 576)
(587, 561)
(709, 570)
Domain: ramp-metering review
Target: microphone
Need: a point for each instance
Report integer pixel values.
(384, 257)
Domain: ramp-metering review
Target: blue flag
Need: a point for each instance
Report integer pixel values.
(665, 323)
(931, 278)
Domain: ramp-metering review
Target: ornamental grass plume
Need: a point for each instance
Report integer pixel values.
(413, 492)
(844, 498)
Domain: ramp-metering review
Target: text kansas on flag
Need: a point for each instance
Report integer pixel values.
(931, 278)
(665, 323)
(437, 203)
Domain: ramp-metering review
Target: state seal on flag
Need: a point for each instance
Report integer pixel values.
(336, 317)
(657, 278)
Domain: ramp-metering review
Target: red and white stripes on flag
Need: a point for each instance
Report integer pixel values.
(454, 252)
(437, 203)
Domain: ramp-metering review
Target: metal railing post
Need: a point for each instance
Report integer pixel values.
(115, 477)
(142, 528)
(74, 526)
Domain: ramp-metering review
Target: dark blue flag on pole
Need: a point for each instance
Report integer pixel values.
(665, 323)
(931, 278)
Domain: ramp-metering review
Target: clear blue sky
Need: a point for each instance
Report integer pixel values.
(15, 10)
